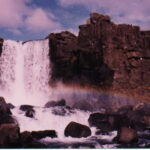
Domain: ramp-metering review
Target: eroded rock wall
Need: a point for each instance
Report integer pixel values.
(104, 54)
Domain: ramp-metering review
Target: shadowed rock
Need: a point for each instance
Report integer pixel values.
(25, 107)
(104, 54)
(30, 113)
(43, 134)
(9, 136)
(27, 141)
(127, 135)
(77, 130)
(10, 106)
(5, 113)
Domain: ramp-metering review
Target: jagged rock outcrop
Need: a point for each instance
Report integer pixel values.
(73, 63)
(116, 57)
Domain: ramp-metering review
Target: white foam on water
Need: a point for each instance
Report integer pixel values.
(46, 120)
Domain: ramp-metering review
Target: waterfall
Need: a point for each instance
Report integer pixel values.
(25, 72)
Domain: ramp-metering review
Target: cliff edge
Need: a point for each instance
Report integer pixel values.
(110, 56)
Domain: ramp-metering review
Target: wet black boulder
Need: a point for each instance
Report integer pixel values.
(126, 136)
(5, 113)
(27, 141)
(77, 130)
(25, 107)
(107, 122)
(43, 134)
(30, 113)
(9, 136)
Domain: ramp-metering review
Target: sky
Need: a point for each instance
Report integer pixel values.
(35, 19)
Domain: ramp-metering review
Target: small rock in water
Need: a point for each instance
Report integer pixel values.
(77, 130)
(100, 121)
(126, 135)
(43, 134)
(61, 102)
(30, 113)
(25, 107)
(10, 106)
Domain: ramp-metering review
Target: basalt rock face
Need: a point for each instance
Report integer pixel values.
(104, 54)
(73, 63)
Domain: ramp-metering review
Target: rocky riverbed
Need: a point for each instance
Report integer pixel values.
(57, 125)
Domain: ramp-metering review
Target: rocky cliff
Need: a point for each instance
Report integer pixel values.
(107, 55)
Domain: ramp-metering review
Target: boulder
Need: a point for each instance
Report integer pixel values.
(77, 130)
(61, 102)
(5, 113)
(43, 134)
(27, 141)
(127, 135)
(9, 136)
(30, 113)
(25, 107)
(4, 109)
(10, 106)
(99, 120)
(108, 122)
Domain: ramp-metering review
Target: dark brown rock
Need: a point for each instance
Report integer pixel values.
(25, 107)
(127, 135)
(5, 113)
(77, 130)
(110, 56)
(30, 113)
(43, 134)
(27, 141)
(9, 136)
(10, 106)
(108, 122)
(4, 109)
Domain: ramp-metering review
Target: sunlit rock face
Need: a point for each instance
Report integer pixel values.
(108, 55)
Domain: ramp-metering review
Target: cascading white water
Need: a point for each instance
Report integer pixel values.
(25, 72)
